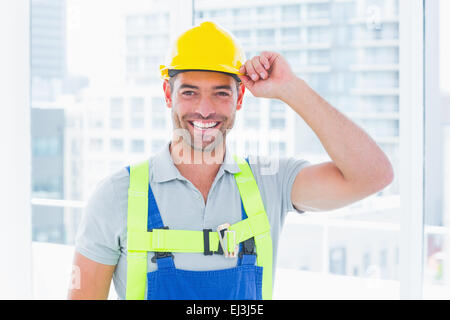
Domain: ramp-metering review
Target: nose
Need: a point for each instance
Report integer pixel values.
(205, 107)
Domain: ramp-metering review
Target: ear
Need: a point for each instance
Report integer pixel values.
(167, 93)
(240, 96)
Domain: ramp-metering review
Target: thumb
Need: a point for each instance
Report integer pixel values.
(248, 83)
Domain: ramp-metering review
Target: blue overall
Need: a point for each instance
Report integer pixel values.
(243, 282)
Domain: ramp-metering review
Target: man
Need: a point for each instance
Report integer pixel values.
(194, 178)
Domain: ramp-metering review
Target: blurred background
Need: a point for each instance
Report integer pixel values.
(97, 105)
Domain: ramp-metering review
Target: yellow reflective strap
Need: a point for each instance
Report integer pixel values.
(138, 193)
(137, 202)
(139, 241)
(136, 275)
(182, 241)
(166, 240)
(137, 222)
(248, 188)
(254, 206)
(250, 227)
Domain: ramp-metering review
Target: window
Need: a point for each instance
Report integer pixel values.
(338, 261)
(319, 34)
(46, 147)
(241, 15)
(366, 263)
(265, 14)
(252, 147)
(95, 145)
(252, 116)
(116, 113)
(157, 145)
(318, 10)
(290, 13)
(322, 82)
(369, 68)
(116, 123)
(137, 146)
(277, 149)
(158, 113)
(319, 57)
(356, 67)
(436, 248)
(291, 35)
(116, 105)
(117, 145)
(294, 58)
(244, 36)
(137, 113)
(266, 36)
(383, 263)
(277, 115)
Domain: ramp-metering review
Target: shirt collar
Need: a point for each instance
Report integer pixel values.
(163, 168)
(229, 163)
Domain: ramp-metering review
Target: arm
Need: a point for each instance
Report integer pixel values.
(90, 280)
(359, 167)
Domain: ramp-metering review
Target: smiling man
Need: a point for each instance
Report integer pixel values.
(196, 222)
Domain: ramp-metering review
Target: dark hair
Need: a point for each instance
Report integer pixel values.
(174, 73)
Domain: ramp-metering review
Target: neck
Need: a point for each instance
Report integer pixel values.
(204, 162)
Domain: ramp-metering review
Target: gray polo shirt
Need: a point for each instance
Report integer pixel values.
(102, 233)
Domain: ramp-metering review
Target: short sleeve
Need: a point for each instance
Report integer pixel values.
(98, 236)
(289, 168)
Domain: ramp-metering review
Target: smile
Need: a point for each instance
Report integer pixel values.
(204, 125)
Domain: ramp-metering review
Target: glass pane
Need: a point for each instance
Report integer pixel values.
(437, 183)
(96, 110)
(84, 103)
(351, 252)
(55, 224)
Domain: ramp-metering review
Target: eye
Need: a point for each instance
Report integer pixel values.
(223, 94)
(188, 93)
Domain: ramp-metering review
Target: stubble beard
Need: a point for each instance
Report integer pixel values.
(201, 142)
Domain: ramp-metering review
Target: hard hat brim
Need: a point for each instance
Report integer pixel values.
(174, 72)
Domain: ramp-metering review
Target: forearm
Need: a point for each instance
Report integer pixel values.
(352, 150)
(90, 280)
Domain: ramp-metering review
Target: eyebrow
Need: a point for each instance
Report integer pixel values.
(227, 87)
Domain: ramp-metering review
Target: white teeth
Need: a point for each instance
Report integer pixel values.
(202, 125)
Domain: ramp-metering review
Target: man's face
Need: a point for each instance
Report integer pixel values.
(204, 105)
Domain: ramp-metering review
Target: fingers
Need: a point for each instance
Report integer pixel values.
(261, 71)
(264, 58)
(269, 57)
(254, 68)
(246, 80)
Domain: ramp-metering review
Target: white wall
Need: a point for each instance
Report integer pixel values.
(15, 163)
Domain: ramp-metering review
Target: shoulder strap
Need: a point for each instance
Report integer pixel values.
(254, 207)
(136, 223)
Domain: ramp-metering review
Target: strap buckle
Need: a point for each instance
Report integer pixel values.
(206, 250)
(248, 248)
(159, 255)
(224, 234)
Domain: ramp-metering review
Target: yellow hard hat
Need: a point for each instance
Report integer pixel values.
(208, 47)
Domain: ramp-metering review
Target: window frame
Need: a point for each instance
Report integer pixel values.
(413, 96)
(411, 28)
(15, 139)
